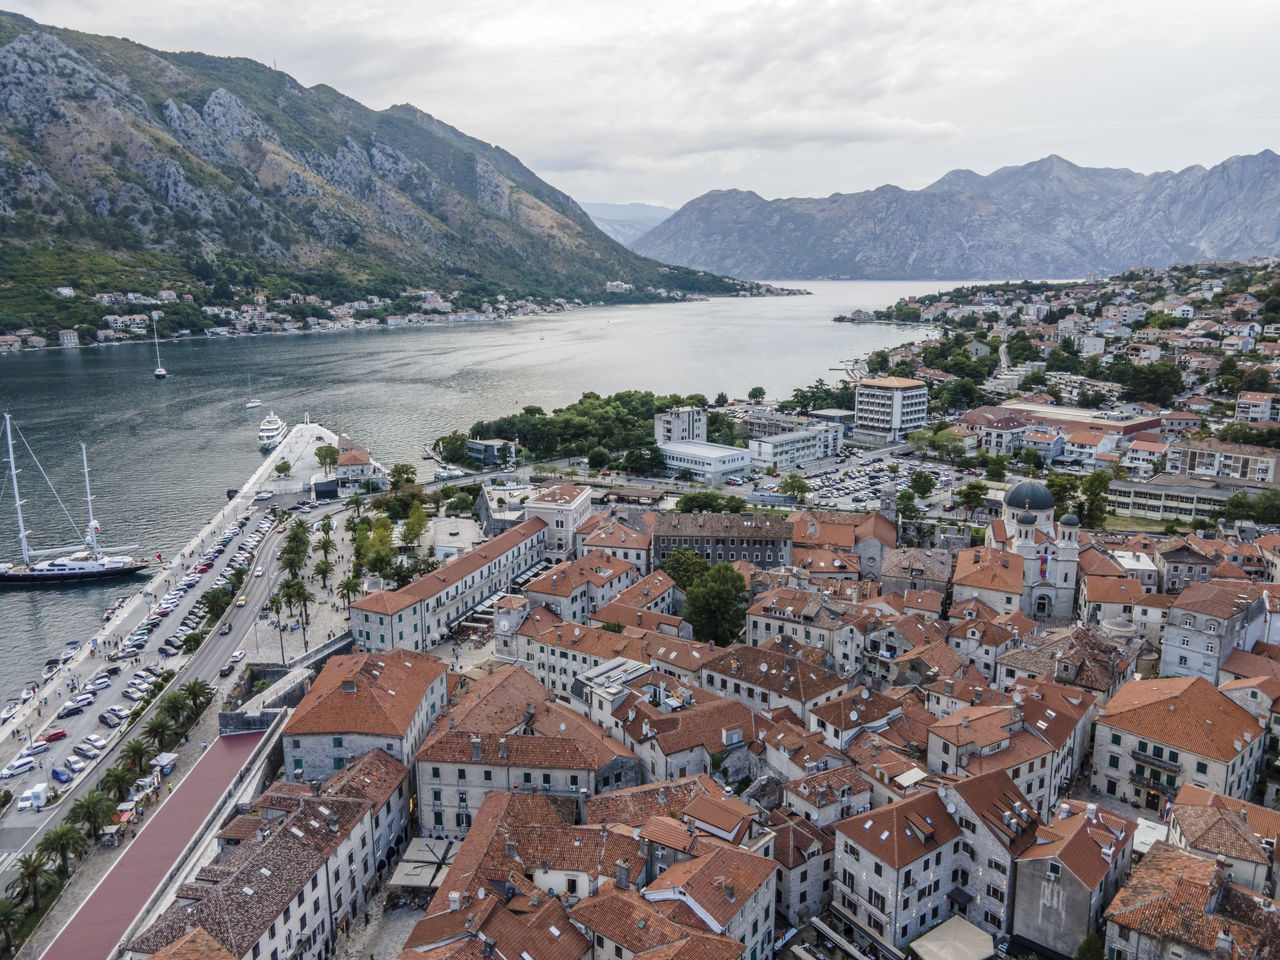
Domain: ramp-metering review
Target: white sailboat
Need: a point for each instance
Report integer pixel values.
(161, 373)
(254, 401)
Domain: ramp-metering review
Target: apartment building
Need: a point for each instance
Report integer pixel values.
(1218, 458)
(764, 679)
(680, 424)
(1252, 406)
(362, 702)
(574, 589)
(889, 408)
(724, 537)
(785, 451)
(1206, 623)
(1180, 563)
(563, 508)
(421, 614)
(1154, 736)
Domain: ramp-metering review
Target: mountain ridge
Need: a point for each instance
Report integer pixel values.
(1046, 218)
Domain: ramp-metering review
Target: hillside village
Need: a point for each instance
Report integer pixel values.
(912, 736)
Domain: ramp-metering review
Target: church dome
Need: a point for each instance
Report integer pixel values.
(1070, 520)
(1030, 495)
(1027, 518)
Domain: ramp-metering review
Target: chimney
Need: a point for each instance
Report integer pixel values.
(502, 748)
(964, 721)
(728, 892)
(454, 899)
(488, 948)
(475, 749)
(511, 850)
(1091, 811)
(582, 804)
(621, 874)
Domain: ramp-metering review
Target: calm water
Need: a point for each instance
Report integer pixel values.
(163, 454)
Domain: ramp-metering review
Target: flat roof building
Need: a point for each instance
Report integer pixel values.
(889, 408)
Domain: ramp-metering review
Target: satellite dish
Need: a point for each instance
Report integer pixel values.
(951, 808)
(1017, 698)
(866, 694)
(853, 715)
(764, 668)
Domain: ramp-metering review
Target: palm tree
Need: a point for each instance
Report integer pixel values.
(173, 707)
(348, 590)
(293, 559)
(323, 569)
(33, 873)
(199, 694)
(60, 843)
(94, 810)
(161, 731)
(10, 915)
(326, 525)
(136, 754)
(326, 545)
(117, 781)
(356, 501)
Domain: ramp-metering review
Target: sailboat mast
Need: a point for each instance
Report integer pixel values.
(17, 500)
(88, 498)
(156, 335)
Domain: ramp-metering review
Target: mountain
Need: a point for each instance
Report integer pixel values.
(1045, 219)
(626, 222)
(127, 167)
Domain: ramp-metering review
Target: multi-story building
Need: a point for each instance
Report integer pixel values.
(1180, 563)
(1156, 735)
(1252, 406)
(704, 462)
(1205, 624)
(902, 869)
(762, 680)
(574, 589)
(679, 424)
(757, 538)
(564, 508)
(889, 408)
(362, 702)
(804, 854)
(915, 568)
(1068, 877)
(1049, 548)
(419, 615)
(787, 450)
(1218, 458)
(1108, 598)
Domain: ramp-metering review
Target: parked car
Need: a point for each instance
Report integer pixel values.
(53, 735)
(61, 774)
(109, 720)
(96, 741)
(33, 748)
(133, 693)
(88, 751)
(237, 656)
(120, 710)
(18, 767)
(75, 764)
(70, 709)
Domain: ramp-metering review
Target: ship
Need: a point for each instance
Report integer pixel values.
(69, 564)
(271, 431)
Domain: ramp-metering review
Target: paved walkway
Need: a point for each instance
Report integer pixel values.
(97, 926)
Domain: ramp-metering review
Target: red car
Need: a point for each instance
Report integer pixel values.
(53, 736)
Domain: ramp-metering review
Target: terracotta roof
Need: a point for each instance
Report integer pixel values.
(986, 568)
(498, 702)
(992, 795)
(371, 693)
(1263, 821)
(903, 831)
(865, 702)
(707, 880)
(1112, 590)
(827, 787)
(199, 944)
(701, 724)
(451, 573)
(634, 805)
(646, 591)
(753, 526)
(1215, 600)
(560, 494)
(1214, 831)
(927, 600)
(1185, 712)
(630, 921)
(598, 569)
(831, 529)
(788, 677)
(1243, 664)
(795, 837)
(1077, 841)
(538, 752)
(726, 814)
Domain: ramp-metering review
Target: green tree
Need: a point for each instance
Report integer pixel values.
(1093, 499)
(598, 458)
(685, 567)
(136, 755)
(355, 502)
(327, 457)
(756, 394)
(117, 782)
(794, 485)
(161, 731)
(995, 470)
(722, 399)
(1031, 457)
(283, 468)
(973, 495)
(199, 694)
(922, 483)
(348, 590)
(326, 545)
(908, 510)
(1091, 947)
(10, 915)
(453, 448)
(414, 525)
(60, 843)
(93, 811)
(33, 875)
(216, 601)
(716, 605)
(324, 569)
(401, 475)
(1064, 488)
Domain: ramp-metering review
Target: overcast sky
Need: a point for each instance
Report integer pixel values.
(663, 100)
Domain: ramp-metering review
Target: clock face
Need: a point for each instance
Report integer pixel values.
(502, 623)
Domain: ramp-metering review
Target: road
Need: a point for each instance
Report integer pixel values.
(19, 830)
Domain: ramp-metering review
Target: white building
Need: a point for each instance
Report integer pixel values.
(707, 462)
(786, 450)
(564, 508)
(889, 408)
(680, 423)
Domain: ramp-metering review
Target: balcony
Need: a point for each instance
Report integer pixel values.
(1148, 783)
(860, 900)
(1157, 762)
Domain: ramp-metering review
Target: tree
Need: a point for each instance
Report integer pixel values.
(1091, 947)
(453, 448)
(326, 545)
(414, 525)
(401, 475)
(756, 394)
(973, 495)
(60, 843)
(327, 457)
(722, 399)
(117, 782)
(684, 567)
(216, 601)
(199, 694)
(283, 468)
(1093, 499)
(920, 440)
(136, 754)
(10, 915)
(324, 569)
(356, 501)
(33, 875)
(94, 811)
(348, 590)
(161, 731)
(598, 458)
(908, 511)
(716, 605)
(922, 483)
(1031, 457)
(794, 485)
(995, 470)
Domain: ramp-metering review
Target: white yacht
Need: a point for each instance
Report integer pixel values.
(253, 402)
(271, 432)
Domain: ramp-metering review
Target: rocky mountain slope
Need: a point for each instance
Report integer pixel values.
(130, 162)
(1045, 219)
(626, 222)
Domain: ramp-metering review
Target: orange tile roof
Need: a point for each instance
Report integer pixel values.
(1186, 712)
(598, 569)
(707, 880)
(903, 831)
(199, 944)
(634, 805)
(1263, 821)
(630, 921)
(1112, 590)
(373, 693)
(1078, 842)
(986, 568)
(498, 702)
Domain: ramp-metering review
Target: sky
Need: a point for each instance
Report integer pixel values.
(664, 100)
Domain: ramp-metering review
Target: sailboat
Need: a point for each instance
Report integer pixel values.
(254, 401)
(93, 563)
(161, 373)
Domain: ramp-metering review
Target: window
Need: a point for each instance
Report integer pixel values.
(435, 773)
(488, 776)
(1201, 767)
(878, 870)
(1142, 746)
(337, 742)
(1115, 739)
(1113, 762)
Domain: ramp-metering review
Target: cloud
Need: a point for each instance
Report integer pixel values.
(664, 100)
